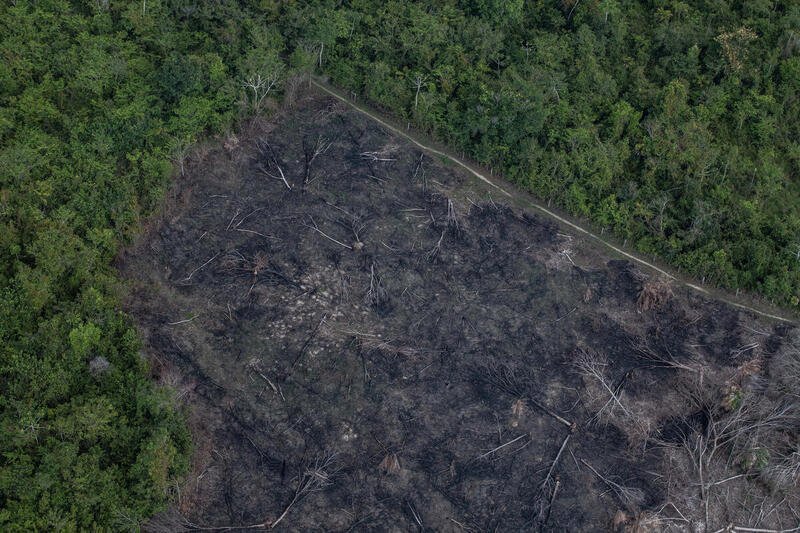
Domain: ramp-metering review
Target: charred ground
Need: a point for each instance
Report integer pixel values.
(367, 340)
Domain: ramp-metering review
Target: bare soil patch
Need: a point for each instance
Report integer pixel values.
(366, 340)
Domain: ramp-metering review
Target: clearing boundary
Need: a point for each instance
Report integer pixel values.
(531, 203)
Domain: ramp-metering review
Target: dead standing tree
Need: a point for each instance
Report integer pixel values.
(314, 477)
(451, 225)
(434, 252)
(352, 222)
(653, 358)
(180, 154)
(311, 151)
(452, 219)
(258, 87)
(418, 83)
(520, 385)
(592, 367)
(420, 168)
(546, 504)
(373, 158)
(265, 149)
(614, 408)
(516, 384)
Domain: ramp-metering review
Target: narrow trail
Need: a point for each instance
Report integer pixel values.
(531, 203)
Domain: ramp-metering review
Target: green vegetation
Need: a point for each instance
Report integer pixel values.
(674, 125)
(96, 100)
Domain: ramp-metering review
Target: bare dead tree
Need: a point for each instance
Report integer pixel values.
(739, 350)
(376, 157)
(415, 514)
(544, 510)
(528, 48)
(357, 226)
(353, 222)
(498, 448)
(314, 477)
(544, 513)
(180, 153)
(663, 358)
(266, 150)
(574, 5)
(518, 385)
(626, 415)
(280, 176)
(736, 433)
(592, 367)
(291, 89)
(311, 152)
(258, 87)
(549, 475)
(784, 470)
(314, 227)
(418, 82)
(659, 205)
(632, 497)
(418, 167)
(568, 254)
(193, 272)
(452, 217)
(434, 252)
(451, 225)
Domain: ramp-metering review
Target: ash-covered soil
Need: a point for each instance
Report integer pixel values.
(364, 340)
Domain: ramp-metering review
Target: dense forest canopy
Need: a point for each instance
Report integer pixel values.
(673, 124)
(97, 101)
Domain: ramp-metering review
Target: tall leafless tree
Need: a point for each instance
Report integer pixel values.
(418, 82)
(311, 151)
(258, 86)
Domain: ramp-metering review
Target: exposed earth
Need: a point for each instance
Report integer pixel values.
(365, 339)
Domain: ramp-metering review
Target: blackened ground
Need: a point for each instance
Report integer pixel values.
(384, 347)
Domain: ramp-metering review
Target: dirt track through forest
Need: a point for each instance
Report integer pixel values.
(413, 139)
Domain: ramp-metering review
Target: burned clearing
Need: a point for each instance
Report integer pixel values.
(366, 340)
